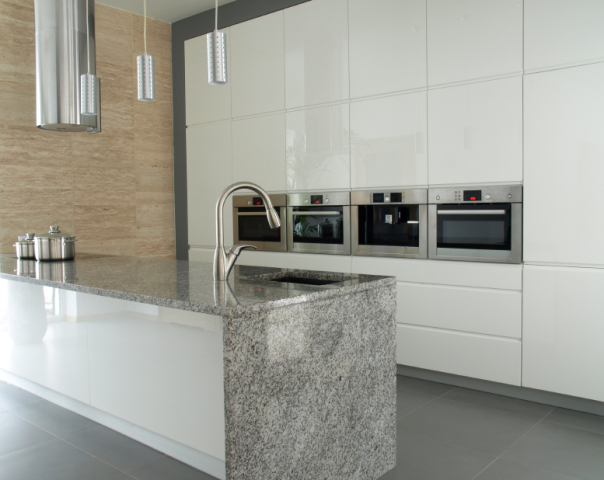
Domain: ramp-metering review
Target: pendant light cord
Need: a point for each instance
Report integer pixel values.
(145, 29)
(216, 17)
(88, 35)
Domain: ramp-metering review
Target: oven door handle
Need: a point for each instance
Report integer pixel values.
(472, 212)
(251, 214)
(318, 214)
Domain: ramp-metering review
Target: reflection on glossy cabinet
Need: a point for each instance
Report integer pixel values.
(388, 141)
(475, 132)
(563, 168)
(316, 53)
(387, 46)
(317, 148)
(563, 331)
(471, 39)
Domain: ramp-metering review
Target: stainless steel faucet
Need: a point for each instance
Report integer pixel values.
(223, 261)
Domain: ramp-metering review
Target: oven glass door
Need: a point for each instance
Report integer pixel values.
(253, 226)
(477, 227)
(318, 225)
(389, 225)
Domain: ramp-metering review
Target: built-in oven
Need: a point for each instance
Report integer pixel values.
(319, 222)
(250, 225)
(477, 224)
(392, 223)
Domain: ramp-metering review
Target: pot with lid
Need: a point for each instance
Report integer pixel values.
(54, 245)
(25, 246)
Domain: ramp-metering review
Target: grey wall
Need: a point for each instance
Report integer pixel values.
(195, 26)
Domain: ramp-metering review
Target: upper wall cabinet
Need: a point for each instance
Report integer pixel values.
(258, 66)
(388, 138)
(205, 102)
(475, 133)
(562, 32)
(318, 152)
(563, 167)
(387, 46)
(316, 53)
(470, 39)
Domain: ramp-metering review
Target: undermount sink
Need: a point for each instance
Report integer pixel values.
(305, 281)
(303, 278)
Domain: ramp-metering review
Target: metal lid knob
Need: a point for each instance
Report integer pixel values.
(54, 229)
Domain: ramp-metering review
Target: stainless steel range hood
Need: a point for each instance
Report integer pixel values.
(61, 60)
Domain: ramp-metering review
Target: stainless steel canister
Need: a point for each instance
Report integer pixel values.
(54, 245)
(25, 246)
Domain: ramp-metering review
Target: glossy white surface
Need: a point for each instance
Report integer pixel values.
(205, 102)
(258, 65)
(306, 261)
(316, 53)
(475, 133)
(202, 254)
(563, 168)
(209, 172)
(470, 39)
(387, 46)
(563, 330)
(486, 311)
(389, 141)
(559, 32)
(259, 151)
(478, 356)
(317, 148)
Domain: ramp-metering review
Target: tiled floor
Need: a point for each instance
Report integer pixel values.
(444, 433)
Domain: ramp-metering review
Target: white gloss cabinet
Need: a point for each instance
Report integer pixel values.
(563, 331)
(317, 148)
(475, 133)
(389, 141)
(205, 102)
(258, 65)
(469, 39)
(562, 32)
(316, 53)
(387, 46)
(563, 167)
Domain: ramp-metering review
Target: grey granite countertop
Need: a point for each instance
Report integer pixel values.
(181, 284)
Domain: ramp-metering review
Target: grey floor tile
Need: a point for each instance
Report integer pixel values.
(421, 458)
(12, 397)
(16, 434)
(54, 460)
(52, 418)
(570, 418)
(499, 402)
(168, 469)
(470, 426)
(417, 385)
(565, 450)
(407, 402)
(505, 470)
(114, 448)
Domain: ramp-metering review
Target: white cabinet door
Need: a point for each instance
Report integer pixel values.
(316, 53)
(563, 329)
(258, 66)
(475, 133)
(387, 46)
(469, 39)
(389, 141)
(205, 102)
(559, 32)
(209, 172)
(563, 167)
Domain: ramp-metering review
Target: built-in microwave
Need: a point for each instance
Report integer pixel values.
(250, 225)
(391, 223)
(477, 224)
(319, 222)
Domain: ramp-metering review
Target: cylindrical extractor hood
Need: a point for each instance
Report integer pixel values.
(61, 60)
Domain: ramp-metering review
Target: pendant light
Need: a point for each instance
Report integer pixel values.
(217, 70)
(89, 83)
(146, 70)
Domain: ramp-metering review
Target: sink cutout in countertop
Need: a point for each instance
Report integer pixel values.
(304, 281)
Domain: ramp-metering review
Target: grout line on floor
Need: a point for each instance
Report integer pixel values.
(421, 406)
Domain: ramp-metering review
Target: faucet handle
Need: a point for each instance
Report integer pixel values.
(236, 249)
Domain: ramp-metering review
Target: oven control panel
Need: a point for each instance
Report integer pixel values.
(415, 196)
(318, 199)
(490, 194)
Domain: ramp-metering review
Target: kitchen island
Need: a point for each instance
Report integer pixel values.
(275, 374)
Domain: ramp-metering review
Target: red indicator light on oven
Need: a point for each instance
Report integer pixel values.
(258, 203)
(472, 198)
(317, 201)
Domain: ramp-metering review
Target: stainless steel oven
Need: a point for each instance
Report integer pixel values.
(390, 223)
(476, 224)
(319, 222)
(251, 227)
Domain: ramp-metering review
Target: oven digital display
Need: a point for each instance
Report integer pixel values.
(316, 199)
(396, 197)
(257, 201)
(378, 198)
(472, 195)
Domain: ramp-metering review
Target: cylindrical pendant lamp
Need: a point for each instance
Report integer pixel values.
(146, 71)
(217, 56)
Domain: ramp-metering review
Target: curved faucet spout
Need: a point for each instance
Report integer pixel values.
(223, 261)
